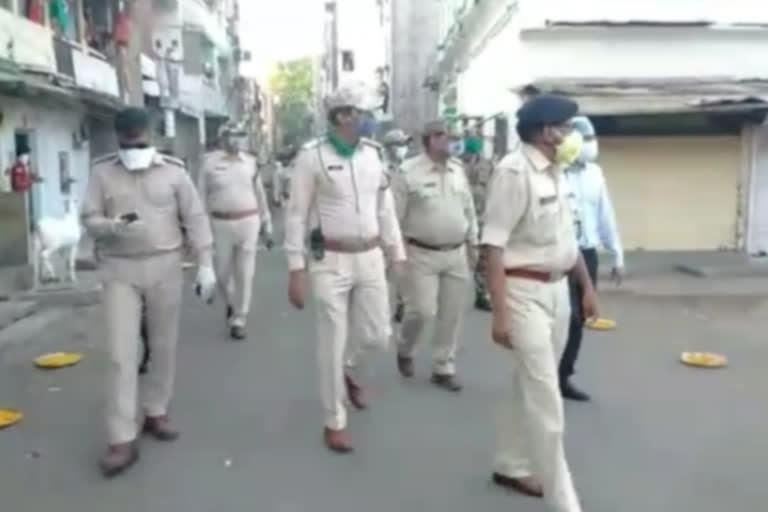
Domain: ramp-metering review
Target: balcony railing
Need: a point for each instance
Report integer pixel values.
(86, 67)
(64, 63)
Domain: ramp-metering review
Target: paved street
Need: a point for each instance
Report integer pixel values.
(658, 436)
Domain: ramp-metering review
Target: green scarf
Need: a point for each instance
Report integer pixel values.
(473, 145)
(343, 148)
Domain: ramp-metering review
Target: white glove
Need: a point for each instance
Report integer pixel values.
(205, 285)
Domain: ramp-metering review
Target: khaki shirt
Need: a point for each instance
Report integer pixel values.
(348, 198)
(434, 202)
(232, 184)
(166, 202)
(529, 214)
(479, 174)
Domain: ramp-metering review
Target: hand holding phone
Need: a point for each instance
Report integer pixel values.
(129, 217)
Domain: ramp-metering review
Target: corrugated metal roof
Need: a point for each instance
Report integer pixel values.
(659, 95)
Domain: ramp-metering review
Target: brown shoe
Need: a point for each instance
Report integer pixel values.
(160, 428)
(237, 332)
(447, 382)
(405, 366)
(119, 458)
(355, 393)
(337, 441)
(527, 485)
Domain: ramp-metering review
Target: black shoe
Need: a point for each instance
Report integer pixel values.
(405, 366)
(482, 303)
(570, 392)
(446, 382)
(237, 332)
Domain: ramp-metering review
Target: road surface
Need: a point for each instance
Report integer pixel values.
(657, 437)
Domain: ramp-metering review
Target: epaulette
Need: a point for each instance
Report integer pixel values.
(168, 159)
(375, 145)
(312, 144)
(109, 157)
(513, 162)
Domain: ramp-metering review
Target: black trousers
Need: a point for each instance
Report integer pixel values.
(576, 327)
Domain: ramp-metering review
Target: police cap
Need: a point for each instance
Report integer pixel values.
(547, 110)
(132, 121)
(435, 127)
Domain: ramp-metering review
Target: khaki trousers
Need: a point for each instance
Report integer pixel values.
(352, 310)
(531, 419)
(435, 286)
(159, 286)
(236, 246)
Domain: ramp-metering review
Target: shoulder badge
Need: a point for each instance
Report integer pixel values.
(109, 157)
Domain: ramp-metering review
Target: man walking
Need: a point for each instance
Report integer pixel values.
(340, 197)
(437, 217)
(136, 205)
(233, 193)
(595, 225)
(531, 243)
(479, 172)
(396, 144)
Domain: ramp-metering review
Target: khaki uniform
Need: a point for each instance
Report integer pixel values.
(142, 263)
(437, 216)
(234, 195)
(529, 215)
(479, 174)
(395, 297)
(349, 199)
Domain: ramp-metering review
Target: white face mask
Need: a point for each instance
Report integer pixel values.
(137, 159)
(589, 152)
(240, 143)
(24, 159)
(401, 151)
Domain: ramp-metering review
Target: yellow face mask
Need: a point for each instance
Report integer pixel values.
(569, 149)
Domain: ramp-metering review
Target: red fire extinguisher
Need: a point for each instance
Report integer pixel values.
(21, 180)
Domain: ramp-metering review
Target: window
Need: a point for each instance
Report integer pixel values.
(347, 60)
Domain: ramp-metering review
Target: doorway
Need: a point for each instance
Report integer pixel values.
(15, 207)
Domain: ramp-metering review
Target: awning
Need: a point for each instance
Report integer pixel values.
(662, 96)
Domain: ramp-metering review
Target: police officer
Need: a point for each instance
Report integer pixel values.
(531, 242)
(479, 171)
(136, 205)
(233, 193)
(340, 197)
(437, 217)
(396, 144)
(596, 225)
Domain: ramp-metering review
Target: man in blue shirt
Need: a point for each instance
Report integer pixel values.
(596, 226)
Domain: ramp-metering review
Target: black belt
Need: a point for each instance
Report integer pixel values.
(430, 247)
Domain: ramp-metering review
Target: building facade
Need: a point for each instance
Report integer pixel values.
(62, 78)
(357, 50)
(675, 90)
(416, 28)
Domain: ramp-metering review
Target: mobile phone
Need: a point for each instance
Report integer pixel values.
(129, 217)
